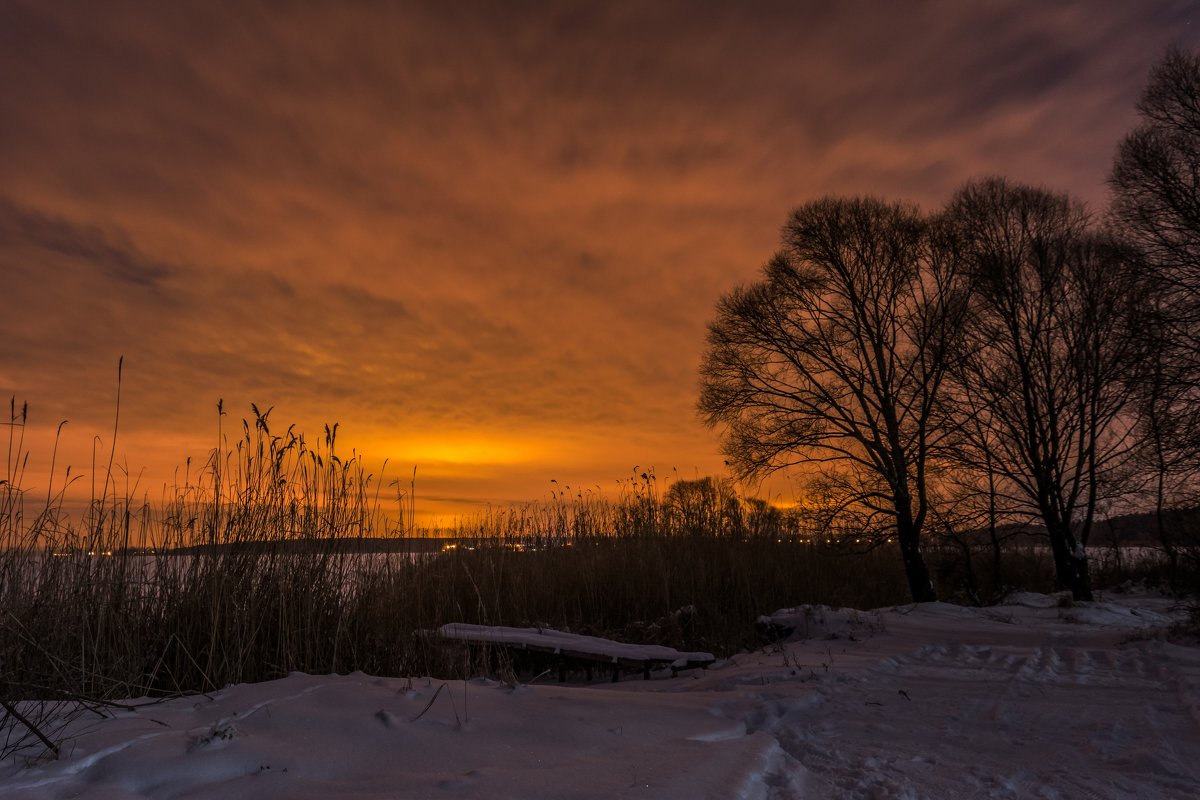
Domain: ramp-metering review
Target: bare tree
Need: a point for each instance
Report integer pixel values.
(1156, 176)
(1165, 392)
(972, 502)
(706, 505)
(1041, 387)
(835, 360)
(1156, 205)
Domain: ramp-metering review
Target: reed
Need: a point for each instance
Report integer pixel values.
(267, 559)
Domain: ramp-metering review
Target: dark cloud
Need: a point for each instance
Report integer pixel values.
(112, 253)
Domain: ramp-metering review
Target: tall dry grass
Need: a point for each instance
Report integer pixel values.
(278, 554)
(257, 563)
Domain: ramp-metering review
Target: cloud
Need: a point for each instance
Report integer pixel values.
(113, 255)
(483, 220)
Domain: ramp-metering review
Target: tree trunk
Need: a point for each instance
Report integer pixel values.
(914, 563)
(1070, 564)
(970, 585)
(997, 554)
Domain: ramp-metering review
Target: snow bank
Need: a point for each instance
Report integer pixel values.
(1029, 699)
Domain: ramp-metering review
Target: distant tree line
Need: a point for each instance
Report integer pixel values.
(1008, 356)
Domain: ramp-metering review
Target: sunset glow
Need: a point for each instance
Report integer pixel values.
(484, 238)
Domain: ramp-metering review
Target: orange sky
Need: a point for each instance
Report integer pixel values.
(484, 237)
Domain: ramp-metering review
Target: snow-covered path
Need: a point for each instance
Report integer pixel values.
(1025, 700)
(1010, 702)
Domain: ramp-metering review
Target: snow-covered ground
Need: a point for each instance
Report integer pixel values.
(1024, 700)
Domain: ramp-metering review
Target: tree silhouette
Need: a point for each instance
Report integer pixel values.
(703, 506)
(1156, 175)
(835, 359)
(1156, 205)
(1041, 384)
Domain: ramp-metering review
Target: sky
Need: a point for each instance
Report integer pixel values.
(484, 238)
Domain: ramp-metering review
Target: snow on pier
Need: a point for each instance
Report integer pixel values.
(573, 647)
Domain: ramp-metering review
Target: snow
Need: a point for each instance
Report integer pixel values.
(552, 641)
(1035, 698)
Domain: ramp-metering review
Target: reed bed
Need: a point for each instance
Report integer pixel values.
(277, 555)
